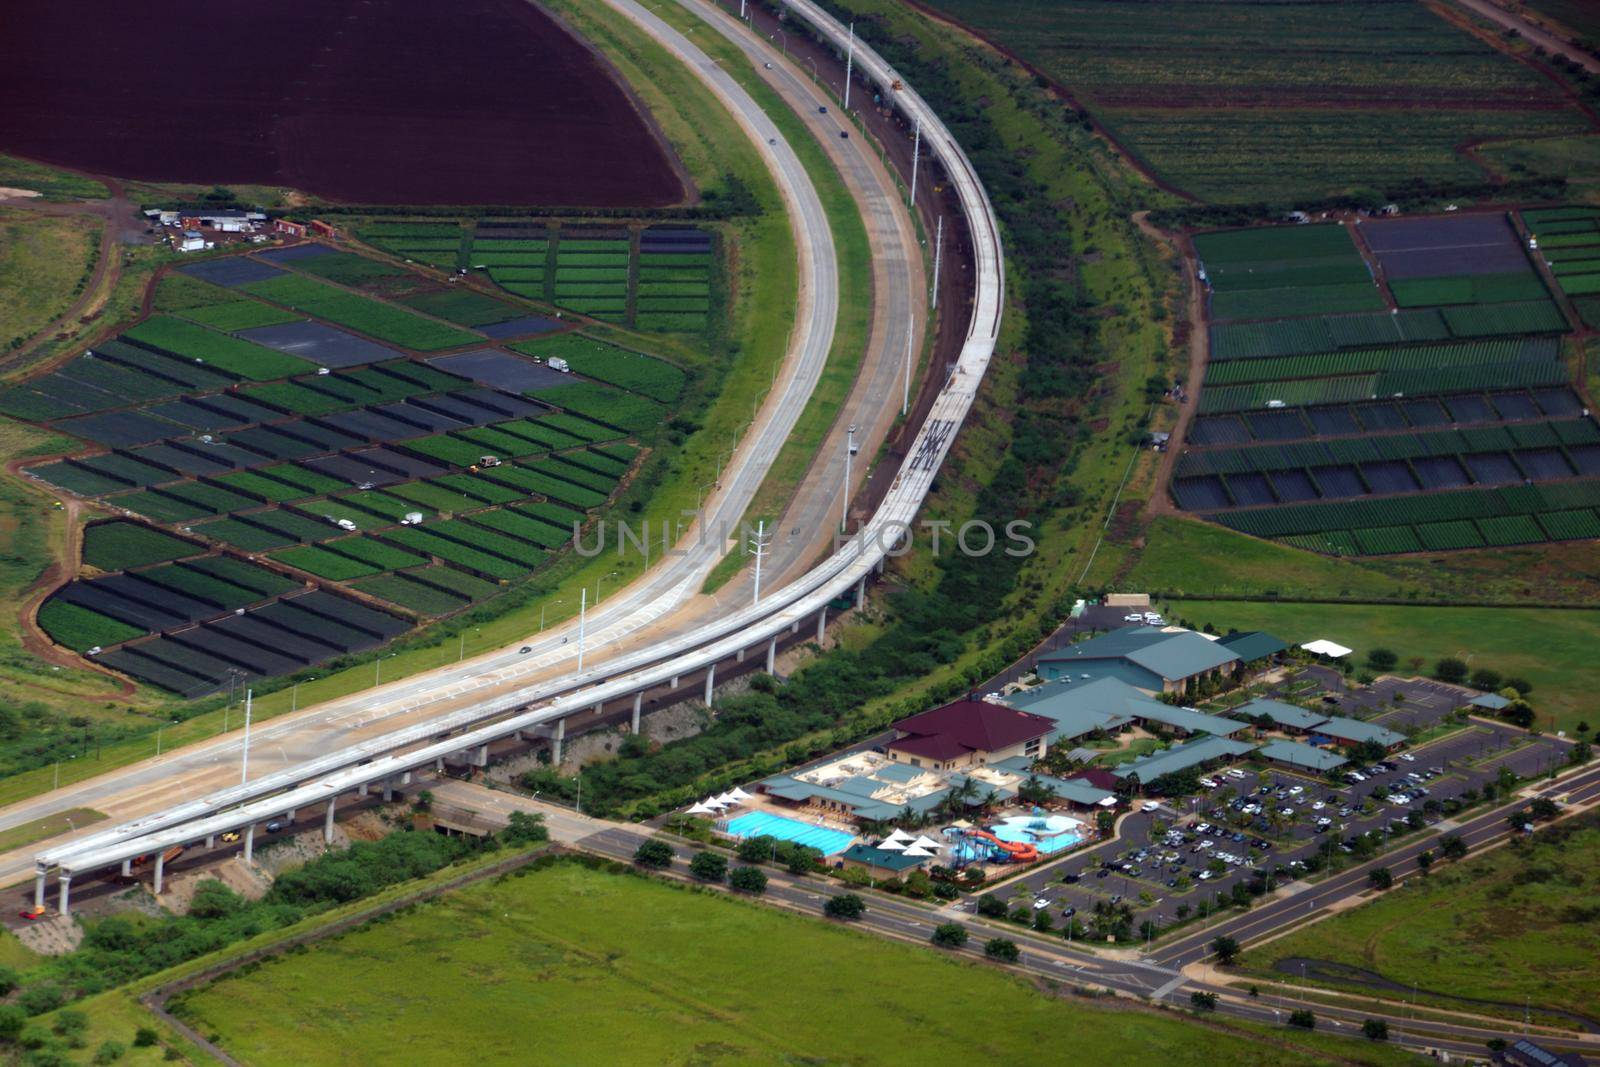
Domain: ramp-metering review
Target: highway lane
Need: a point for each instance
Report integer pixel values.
(641, 611)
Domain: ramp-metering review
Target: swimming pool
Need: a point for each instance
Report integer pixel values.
(821, 838)
(1050, 833)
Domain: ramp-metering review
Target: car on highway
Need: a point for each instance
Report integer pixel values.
(230, 837)
(524, 650)
(275, 825)
(823, 110)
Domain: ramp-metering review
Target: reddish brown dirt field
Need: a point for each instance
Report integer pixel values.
(401, 102)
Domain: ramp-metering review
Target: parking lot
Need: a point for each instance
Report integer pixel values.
(1250, 823)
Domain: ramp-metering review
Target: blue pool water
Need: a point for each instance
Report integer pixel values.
(1048, 835)
(756, 823)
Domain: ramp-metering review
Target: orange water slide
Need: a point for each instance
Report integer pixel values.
(1019, 852)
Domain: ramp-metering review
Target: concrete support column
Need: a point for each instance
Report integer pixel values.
(794, 627)
(289, 815)
(738, 657)
(438, 765)
(711, 680)
(638, 700)
(405, 779)
(127, 868)
(361, 790)
(673, 684)
(327, 821)
(38, 887)
(822, 622)
(66, 893)
(388, 790)
(882, 562)
(599, 706)
(250, 844)
(481, 758)
(861, 594)
(211, 840)
(772, 654)
(161, 872)
(561, 736)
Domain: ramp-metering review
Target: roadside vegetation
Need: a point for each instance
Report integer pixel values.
(1517, 925)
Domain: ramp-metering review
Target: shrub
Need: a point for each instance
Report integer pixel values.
(525, 828)
(70, 1022)
(1304, 1018)
(110, 1052)
(1002, 948)
(991, 906)
(1382, 659)
(1450, 669)
(12, 1020)
(1375, 1030)
(748, 880)
(38, 999)
(144, 1037)
(709, 866)
(1485, 679)
(1203, 1001)
(845, 906)
(950, 935)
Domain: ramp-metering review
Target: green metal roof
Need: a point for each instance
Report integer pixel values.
(1252, 645)
(1342, 729)
(1171, 656)
(1182, 757)
(1281, 713)
(888, 859)
(1300, 754)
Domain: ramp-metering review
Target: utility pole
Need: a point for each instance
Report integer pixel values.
(916, 156)
(844, 504)
(583, 612)
(849, 65)
(759, 548)
(244, 762)
(938, 256)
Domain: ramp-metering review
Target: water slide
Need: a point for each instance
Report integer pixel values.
(1016, 851)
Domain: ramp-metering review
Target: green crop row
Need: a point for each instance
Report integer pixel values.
(383, 321)
(194, 342)
(119, 545)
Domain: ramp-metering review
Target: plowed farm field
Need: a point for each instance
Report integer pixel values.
(407, 102)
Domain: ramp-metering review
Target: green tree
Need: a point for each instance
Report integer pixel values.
(1424, 861)
(1450, 669)
(1042, 921)
(657, 855)
(758, 849)
(1375, 1030)
(751, 880)
(1203, 1001)
(1226, 949)
(1382, 659)
(8, 980)
(1304, 1018)
(709, 866)
(12, 1020)
(1380, 877)
(1003, 949)
(70, 1022)
(1485, 679)
(950, 935)
(524, 828)
(845, 906)
(424, 801)
(991, 906)
(144, 1037)
(109, 1052)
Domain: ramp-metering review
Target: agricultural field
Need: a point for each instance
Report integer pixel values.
(1514, 926)
(430, 128)
(490, 957)
(332, 460)
(44, 263)
(1569, 244)
(1239, 101)
(1449, 425)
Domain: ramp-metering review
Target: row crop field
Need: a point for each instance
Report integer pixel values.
(1435, 522)
(1240, 101)
(385, 322)
(1270, 273)
(633, 371)
(1569, 242)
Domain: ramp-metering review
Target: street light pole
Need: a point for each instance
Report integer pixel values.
(849, 65)
(844, 503)
(583, 613)
(938, 255)
(760, 550)
(916, 156)
(244, 762)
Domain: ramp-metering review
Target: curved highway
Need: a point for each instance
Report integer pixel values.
(382, 759)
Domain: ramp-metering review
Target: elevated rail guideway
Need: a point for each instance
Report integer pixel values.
(388, 759)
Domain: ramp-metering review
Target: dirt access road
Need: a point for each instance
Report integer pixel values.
(1533, 34)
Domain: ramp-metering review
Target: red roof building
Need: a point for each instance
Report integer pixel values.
(967, 733)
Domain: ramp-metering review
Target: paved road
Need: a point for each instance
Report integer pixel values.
(646, 612)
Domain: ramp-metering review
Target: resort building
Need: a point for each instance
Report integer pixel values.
(1154, 659)
(968, 733)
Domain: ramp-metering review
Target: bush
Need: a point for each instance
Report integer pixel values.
(110, 1052)
(38, 999)
(1203, 1001)
(1380, 877)
(8, 980)
(845, 906)
(991, 906)
(709, 866)
(950, 935)
(12, 1020)
(1002, 948)
(748, 880)
(1485, 679)
(144, 1037)
(657, 855)
(1304, 1018)
(1382, 659)
(1375, 1030)
(1450, 669)
(211, 900)
(525, 828)
(70, 1022)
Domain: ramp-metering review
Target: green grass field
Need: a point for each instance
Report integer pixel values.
(1517, 925)
(514, 967)
(44, 264)
(1547, 646)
